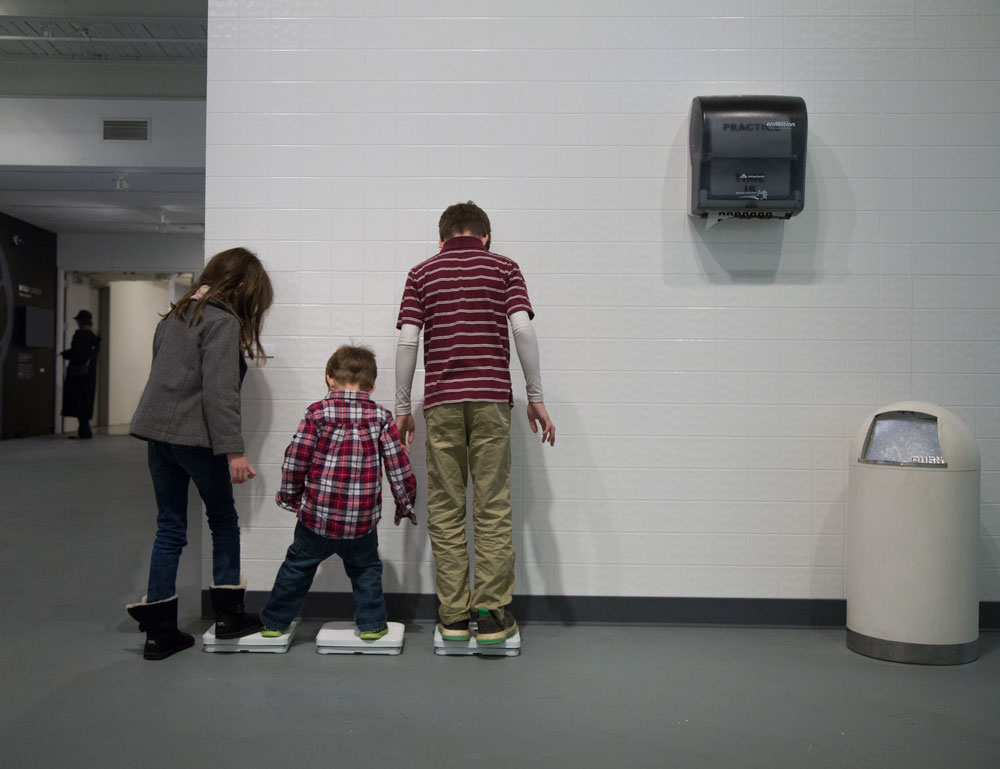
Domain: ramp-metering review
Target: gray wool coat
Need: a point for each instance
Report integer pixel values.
(192, 397)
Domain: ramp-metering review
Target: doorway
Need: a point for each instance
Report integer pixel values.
(126, 307)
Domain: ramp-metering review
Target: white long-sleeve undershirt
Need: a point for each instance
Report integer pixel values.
(406, 364)
(525, 343)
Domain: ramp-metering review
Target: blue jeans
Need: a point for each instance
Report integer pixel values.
(307, 551)
(172, 467)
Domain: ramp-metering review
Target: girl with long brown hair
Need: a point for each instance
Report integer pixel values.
(189, 414)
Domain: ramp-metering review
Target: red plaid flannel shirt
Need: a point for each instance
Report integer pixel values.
(332, 473)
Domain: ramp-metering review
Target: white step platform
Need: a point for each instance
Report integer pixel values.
(248, 643)
(509, 648)
(344, 638)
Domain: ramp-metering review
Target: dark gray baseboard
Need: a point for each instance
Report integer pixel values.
(603, 610)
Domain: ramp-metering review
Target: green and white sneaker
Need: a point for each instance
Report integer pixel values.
(374, 635)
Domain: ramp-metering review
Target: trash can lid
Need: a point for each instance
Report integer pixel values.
(915, 434)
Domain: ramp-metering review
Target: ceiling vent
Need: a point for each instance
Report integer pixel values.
(126, 130)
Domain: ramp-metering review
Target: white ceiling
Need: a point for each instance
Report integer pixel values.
(103, 48)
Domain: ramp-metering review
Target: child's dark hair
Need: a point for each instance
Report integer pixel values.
(237, 278)
(351, 365)
(463, 218)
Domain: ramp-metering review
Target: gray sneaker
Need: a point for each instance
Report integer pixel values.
(494, 626)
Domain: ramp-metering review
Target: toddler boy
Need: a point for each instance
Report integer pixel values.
(332, 479)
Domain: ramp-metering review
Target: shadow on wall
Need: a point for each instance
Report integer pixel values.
(539, 565)
(762, 251)
(257, 410)
(255, 499)
(407, 575)
(577, 522)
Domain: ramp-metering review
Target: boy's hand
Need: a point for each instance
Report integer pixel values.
(240, 470)
(401, 514)
(537, 412)
(405, 428)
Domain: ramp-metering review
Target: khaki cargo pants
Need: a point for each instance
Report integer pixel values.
(464, 437)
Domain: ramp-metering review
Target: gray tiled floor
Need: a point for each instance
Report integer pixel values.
(74, 691)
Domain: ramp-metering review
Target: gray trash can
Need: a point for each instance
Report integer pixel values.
(912, 535)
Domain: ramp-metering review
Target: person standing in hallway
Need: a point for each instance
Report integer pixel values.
(189, 414)
(463, 298)
(80, 384)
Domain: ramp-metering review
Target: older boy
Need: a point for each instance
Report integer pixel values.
(332, 479)
(462, 298)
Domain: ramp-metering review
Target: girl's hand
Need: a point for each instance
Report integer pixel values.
(240, 470)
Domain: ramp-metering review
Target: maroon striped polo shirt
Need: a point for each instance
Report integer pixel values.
(462, 298)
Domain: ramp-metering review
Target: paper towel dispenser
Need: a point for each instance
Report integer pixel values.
(748, 156)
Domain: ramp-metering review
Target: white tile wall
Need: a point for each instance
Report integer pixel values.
(705, 383)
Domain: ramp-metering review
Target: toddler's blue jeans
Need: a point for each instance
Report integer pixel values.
(172, 467)
(307, 551)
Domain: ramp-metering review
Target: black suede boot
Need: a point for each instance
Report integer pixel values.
(158, 620)
(231, 621)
